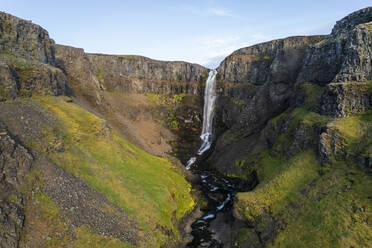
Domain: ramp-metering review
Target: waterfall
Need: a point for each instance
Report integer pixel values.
(208, 113)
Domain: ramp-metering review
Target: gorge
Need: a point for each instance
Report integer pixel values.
(271, 149)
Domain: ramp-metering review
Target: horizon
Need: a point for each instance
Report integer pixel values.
(197, 32)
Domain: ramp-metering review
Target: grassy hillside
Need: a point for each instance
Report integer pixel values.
(150, 190)
(315, 190)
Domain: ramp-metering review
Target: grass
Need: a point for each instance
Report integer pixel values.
(312, 92)
(148, 188)
(293, 120)
(356, 132)
(275, 195)
(45, 226)
(336, 212)
(314, 205)
(171, 102)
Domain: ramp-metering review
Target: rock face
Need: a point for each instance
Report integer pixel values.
(153, 92)
(273, 61)
(27, 59)
(131, 74)
(275, 69)
(345, 55)
(25, 39)
(302, 96)
(345, 99)
(15, 164)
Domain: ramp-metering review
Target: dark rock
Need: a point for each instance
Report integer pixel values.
(345, 55)
(273, 61)
(15, 163)
(84, 206)
(25, 39)
(344, 99)
(131, 74)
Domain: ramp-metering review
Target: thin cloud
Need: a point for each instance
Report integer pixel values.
(221, 12)
(217, 48)
(215, 11)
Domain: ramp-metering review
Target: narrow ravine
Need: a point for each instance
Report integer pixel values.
(217, 189)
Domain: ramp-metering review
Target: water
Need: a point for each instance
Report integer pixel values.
(208, 114)
(217, 189)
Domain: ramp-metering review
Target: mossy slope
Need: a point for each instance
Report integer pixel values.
(150, 189)
(315, 186)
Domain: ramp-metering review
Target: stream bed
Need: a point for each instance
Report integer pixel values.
(217, 218)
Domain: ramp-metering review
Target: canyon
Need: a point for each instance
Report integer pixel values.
(94, 147)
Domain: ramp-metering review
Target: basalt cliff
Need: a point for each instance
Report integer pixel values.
(93, 146)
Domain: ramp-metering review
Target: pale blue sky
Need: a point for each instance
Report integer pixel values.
(199, 31)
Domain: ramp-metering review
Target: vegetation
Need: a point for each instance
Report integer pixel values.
(170, 102)
(148, 188)
(320, 205)
(275, 195)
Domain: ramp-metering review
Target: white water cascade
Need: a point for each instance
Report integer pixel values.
(208, 113)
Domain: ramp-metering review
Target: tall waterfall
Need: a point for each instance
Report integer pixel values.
(208, 113)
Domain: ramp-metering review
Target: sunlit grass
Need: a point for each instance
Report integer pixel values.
(148, 188)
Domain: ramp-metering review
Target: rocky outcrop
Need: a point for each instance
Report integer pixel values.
(27, 59)
(23, 78)
(345, 55)
(153, 93)
(15, 164)
(276, 68)
(25, 39)
(273, 61)
(345, 99)
(131, 74)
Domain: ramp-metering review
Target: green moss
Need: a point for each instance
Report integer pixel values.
(3, 92)
(86, 238)
(312, 93)
(203, 79)
(240, 163)
(13, 199)
(128, 57)
(100, 76)
(336, 212)
(171, 102)
(355, 132)
(173, 123)
(166, 100)
(45, 225)
(369, 26)
(129, 177)
(324, 206)
(293, 120)
(240, 103)
(275, 195)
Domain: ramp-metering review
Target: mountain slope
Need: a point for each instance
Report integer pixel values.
(302, 129)
(68, 178)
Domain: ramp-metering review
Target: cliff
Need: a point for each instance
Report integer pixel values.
(68, 177)
(158, 96)
(27, 59)
(301, 128)
(130, 73)
(79, 131)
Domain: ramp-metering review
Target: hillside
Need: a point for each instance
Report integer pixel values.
(93, 146)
